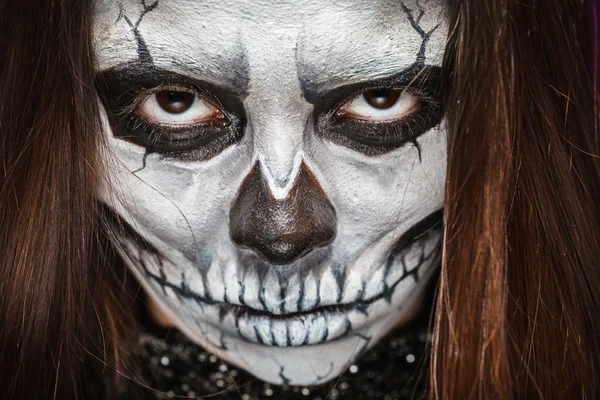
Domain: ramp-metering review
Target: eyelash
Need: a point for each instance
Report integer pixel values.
(375, 138)
(203, 140)
(122, 94)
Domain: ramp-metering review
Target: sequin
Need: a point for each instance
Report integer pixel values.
(174, 366)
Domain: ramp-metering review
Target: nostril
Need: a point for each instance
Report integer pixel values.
(282, 230)
(281, 251)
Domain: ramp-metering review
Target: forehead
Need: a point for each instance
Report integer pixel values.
(225, 39)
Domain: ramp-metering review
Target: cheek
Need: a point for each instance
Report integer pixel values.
(373, 196)
(180, 204)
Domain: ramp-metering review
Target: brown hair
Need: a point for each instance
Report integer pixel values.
(55, 309)
(516, 315)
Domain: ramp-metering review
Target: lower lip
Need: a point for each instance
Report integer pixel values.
(299, 329)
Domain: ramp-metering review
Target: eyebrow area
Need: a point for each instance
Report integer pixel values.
(126, 79)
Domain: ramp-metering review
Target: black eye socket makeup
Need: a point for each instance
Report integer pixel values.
(123, 90)
(373, 137)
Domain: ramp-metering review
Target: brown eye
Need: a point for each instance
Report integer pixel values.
(382, 99)
(174, 102)
(385, 104)
(179, 108)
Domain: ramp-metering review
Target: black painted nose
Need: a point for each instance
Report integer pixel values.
(282, 231)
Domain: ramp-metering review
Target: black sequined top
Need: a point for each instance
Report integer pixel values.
(174, 367)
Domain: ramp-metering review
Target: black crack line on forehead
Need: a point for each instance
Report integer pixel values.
(142, 47)
(121, 13)
(424, 35)
(420, 61)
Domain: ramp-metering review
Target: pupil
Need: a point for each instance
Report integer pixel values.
(175, 102)
(382, 98)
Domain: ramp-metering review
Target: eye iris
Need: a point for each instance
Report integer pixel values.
(382, 98)
(174, 102)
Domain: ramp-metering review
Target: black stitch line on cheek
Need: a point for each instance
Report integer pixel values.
(418, 147)
(147, 152)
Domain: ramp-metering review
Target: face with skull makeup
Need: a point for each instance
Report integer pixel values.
(277, 169)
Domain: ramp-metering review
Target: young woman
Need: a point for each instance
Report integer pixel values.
(272, 176)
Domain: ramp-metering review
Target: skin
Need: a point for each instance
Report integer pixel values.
(304, 232)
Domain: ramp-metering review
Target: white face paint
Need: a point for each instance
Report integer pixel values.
(278, 169)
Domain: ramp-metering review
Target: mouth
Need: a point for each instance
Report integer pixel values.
(255, 316)
(303, 328)
(316, 325)
(325, 323)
